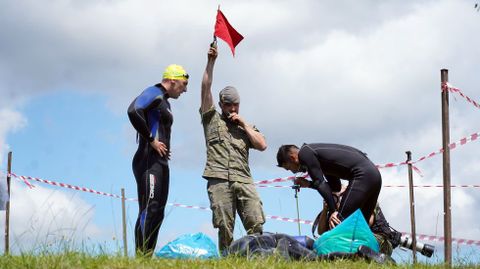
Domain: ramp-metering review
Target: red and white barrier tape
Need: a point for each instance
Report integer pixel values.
(452, 89)
(452, 146)
(275, 180)
(278, 218)
(189, 206)
(280, 179)
(431, 186)
(386, 186)
(274, 186)
(308, 222)
(26, 178)
(389, 165)
(423, 237)
(64, 185)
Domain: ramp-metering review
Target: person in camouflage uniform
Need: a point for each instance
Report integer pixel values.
(387, 238)
(228, 139)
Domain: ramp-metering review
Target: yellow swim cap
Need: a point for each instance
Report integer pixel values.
(175, 71)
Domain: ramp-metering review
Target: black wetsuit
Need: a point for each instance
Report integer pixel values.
(334, 162)
(150, 115)
(267, 244)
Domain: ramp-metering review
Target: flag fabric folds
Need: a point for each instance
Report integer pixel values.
(226, 32)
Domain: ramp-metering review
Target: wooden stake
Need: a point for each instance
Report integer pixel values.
(124, 224)
(447, 218)
(412, 206)
(7, 209)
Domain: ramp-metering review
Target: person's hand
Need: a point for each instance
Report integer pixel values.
(161, 148)
(334, 220)
(237, 119)
(212, 52)
(302, 182)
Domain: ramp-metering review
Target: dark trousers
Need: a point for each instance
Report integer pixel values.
(362, 191)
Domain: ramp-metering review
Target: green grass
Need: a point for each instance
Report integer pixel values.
(82, 260)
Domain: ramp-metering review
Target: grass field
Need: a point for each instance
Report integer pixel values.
(82, 260)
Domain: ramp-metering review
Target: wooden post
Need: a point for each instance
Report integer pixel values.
(447, 218)
(7, 206)
(412, 206)
(124, 224)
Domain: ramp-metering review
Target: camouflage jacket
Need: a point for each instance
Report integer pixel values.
(227, 148)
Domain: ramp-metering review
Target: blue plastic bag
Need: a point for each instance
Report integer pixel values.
(347, 236)
(189, 246)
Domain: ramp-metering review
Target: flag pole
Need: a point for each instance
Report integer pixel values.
(214, 42)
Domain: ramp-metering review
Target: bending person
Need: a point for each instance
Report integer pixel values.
(326, 164)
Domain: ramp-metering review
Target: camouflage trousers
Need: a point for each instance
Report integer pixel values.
(228, 198)
(384, 244)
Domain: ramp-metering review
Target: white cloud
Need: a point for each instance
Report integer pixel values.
(10, 121)
(41, 218)
(45, 219)
(365, 74)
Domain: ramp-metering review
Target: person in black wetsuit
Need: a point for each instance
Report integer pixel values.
(151, 117)
(327, 164)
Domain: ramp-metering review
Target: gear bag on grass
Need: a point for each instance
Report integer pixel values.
(189, 246)
(347, 236)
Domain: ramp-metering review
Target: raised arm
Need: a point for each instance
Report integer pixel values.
(207, 99)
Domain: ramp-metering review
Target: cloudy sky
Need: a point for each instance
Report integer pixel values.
(364, 74)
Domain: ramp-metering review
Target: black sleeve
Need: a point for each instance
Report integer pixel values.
(307, 158)
(137, 113)
(334, 183)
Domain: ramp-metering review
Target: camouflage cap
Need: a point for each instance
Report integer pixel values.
(229, 95)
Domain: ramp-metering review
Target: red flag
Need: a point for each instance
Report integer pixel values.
(226, 32)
